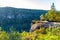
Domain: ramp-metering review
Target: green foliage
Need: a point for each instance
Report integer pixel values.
(51, 15)
(15, 36)
(42, 17)
(4, 35)
(0, 28)
(39, 34)
(57, 18)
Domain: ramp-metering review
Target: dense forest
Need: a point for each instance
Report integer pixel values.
(15, 23)
(18, 18)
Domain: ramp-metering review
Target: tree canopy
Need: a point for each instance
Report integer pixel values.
(51, 15)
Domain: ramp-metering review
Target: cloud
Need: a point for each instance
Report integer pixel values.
(30, 4)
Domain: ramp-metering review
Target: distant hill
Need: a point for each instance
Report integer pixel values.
(19, 18)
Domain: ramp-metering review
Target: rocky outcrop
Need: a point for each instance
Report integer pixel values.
(45, 24)
(37, 25)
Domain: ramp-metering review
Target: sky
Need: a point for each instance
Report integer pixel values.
(30, 4)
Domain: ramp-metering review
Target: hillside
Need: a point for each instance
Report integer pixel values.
(19, 18)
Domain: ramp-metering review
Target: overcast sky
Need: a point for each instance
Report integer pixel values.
(30, 4)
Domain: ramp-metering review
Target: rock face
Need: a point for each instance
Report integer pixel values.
(44, 24)
(37, 25)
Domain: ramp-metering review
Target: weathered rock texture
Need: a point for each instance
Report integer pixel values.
(45, 24)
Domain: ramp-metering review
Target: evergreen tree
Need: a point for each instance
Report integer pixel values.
(51, 13)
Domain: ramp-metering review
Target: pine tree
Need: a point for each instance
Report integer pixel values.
(51, 13)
